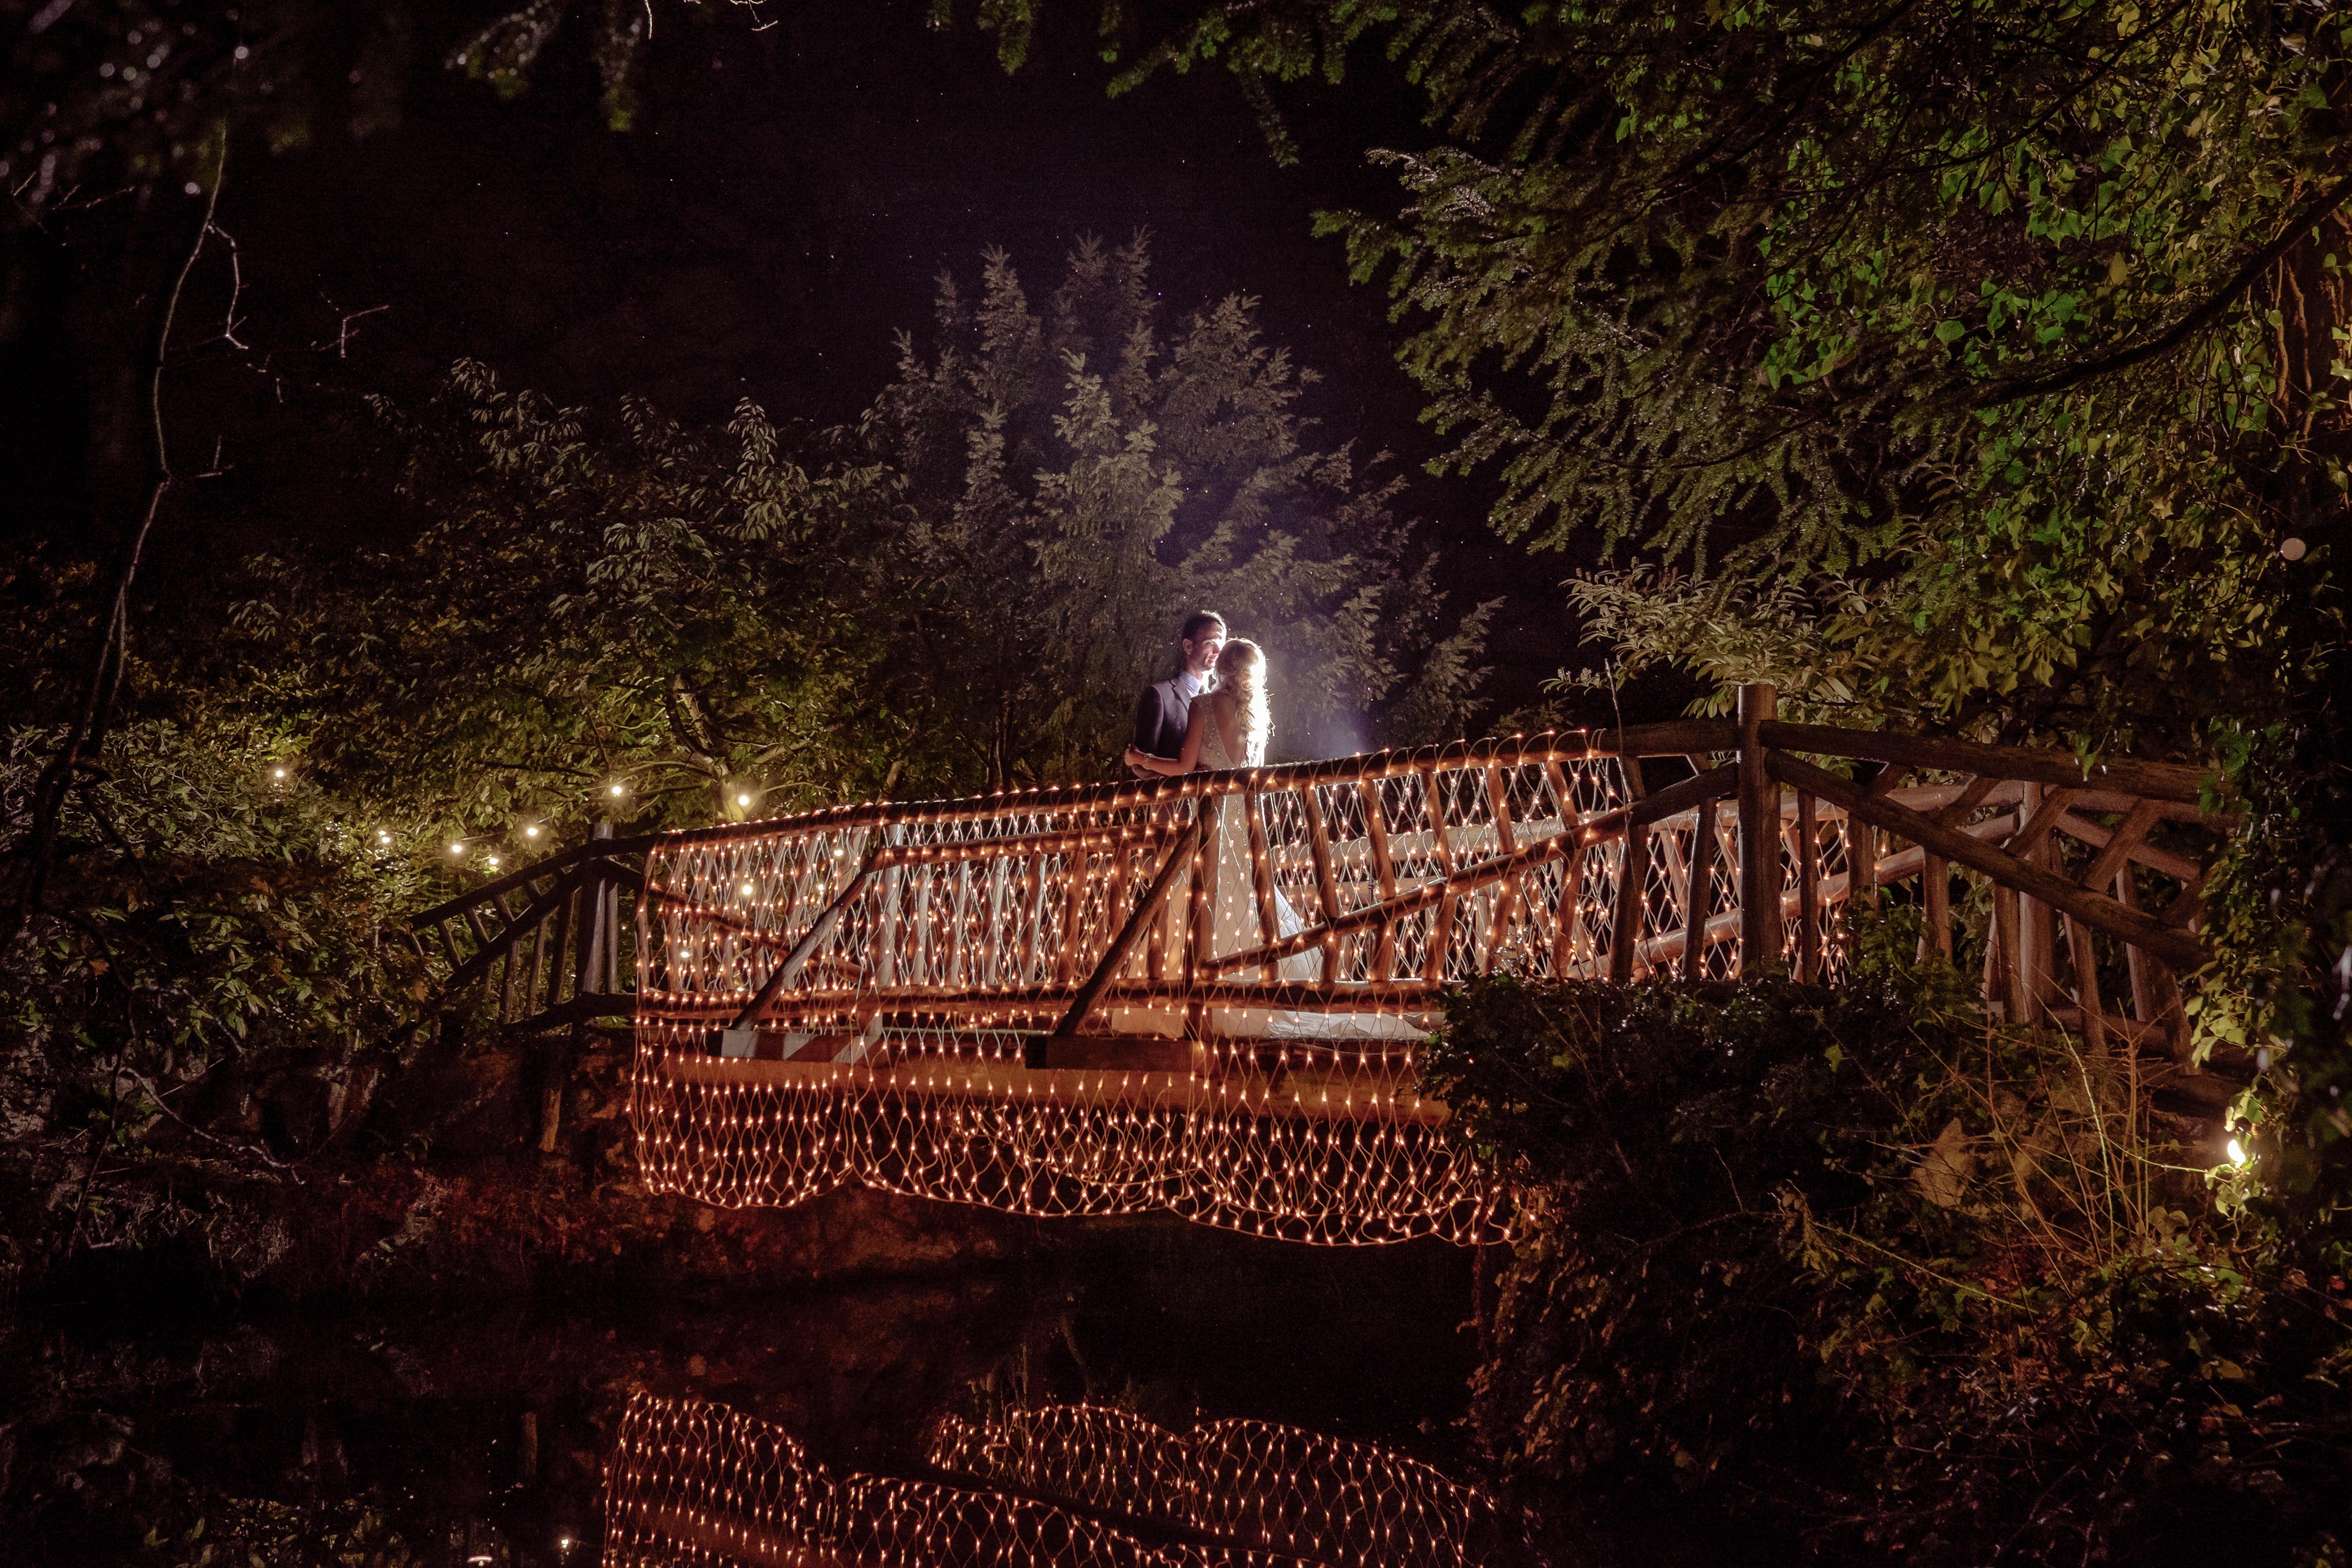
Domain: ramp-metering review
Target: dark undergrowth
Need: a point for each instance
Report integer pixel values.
(1861, 1266)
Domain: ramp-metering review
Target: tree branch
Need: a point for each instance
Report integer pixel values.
(2304, 219)
(37, 849)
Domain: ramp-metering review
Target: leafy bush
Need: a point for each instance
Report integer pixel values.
(1859, 1257)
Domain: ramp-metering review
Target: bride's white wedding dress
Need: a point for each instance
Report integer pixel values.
(1237, 927)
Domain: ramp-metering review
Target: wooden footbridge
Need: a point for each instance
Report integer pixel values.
(1207, 995)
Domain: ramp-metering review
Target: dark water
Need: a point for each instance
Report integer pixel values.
(484, 1431)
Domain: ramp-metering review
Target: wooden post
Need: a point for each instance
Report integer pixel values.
(1760, 933)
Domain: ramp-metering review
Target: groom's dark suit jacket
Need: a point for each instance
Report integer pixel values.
(1161, 718)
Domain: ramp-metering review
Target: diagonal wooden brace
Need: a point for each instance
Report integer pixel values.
(1153, 896)
(2097, 911)
(819, 929)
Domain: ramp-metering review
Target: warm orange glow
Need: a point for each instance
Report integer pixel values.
(1252, 1060)
(1064, 1485)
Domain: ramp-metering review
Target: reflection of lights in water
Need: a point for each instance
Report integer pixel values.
(693, 1482)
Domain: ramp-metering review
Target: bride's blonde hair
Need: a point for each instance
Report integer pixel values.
(1241, 669)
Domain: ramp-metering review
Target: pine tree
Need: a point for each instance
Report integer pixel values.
(1082, 479)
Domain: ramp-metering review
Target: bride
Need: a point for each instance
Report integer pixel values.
(1227, 729)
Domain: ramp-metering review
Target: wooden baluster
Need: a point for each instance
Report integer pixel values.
(1200, 911)
(1809, 893)
(1632, 897)
(1935, 901)
(1506, 892)
(1269, 924)
(2005, 960)
(2037, 922)
(1440, 922)
(562, 946)
(1376, 833)
(1761, 939)
(2142, 967)
(1327, 885)
(1699, 892)
(1571, 942)
(2086, 985)
(1078, 862)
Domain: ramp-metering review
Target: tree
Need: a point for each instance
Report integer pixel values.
(678, 617)
(1081, 480)
(2021, 316)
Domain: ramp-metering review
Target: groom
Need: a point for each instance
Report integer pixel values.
(1167, 706)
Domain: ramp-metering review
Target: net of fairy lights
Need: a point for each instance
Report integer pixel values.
(895, 984)
(696, 1483)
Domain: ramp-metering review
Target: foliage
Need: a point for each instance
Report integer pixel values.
(1925, 1284)
(2025, 314)
(2278, 914)
(681, 617)
(99, 96)
(207, 914)
(1082, 479)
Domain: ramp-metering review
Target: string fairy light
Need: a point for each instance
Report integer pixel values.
(1074, 1486)
(1250, 1062)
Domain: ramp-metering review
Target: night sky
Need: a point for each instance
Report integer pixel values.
(784, 204)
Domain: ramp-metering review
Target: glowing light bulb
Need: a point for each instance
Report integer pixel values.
(618, 789)
(530, 833)
(743, 800)
(2237, 1152)
(278, 772)
(457, 849)
(493, 862)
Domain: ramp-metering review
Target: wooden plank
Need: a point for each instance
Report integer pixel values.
(2037, 922)
(1506, 892)
(1438, 839)
(2101, 913)
(2160, 781)
(1201, 911)
(2142, 968)
(2087, 985)
(1301, 1096)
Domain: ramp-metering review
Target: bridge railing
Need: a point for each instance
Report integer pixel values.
(1208, 993)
